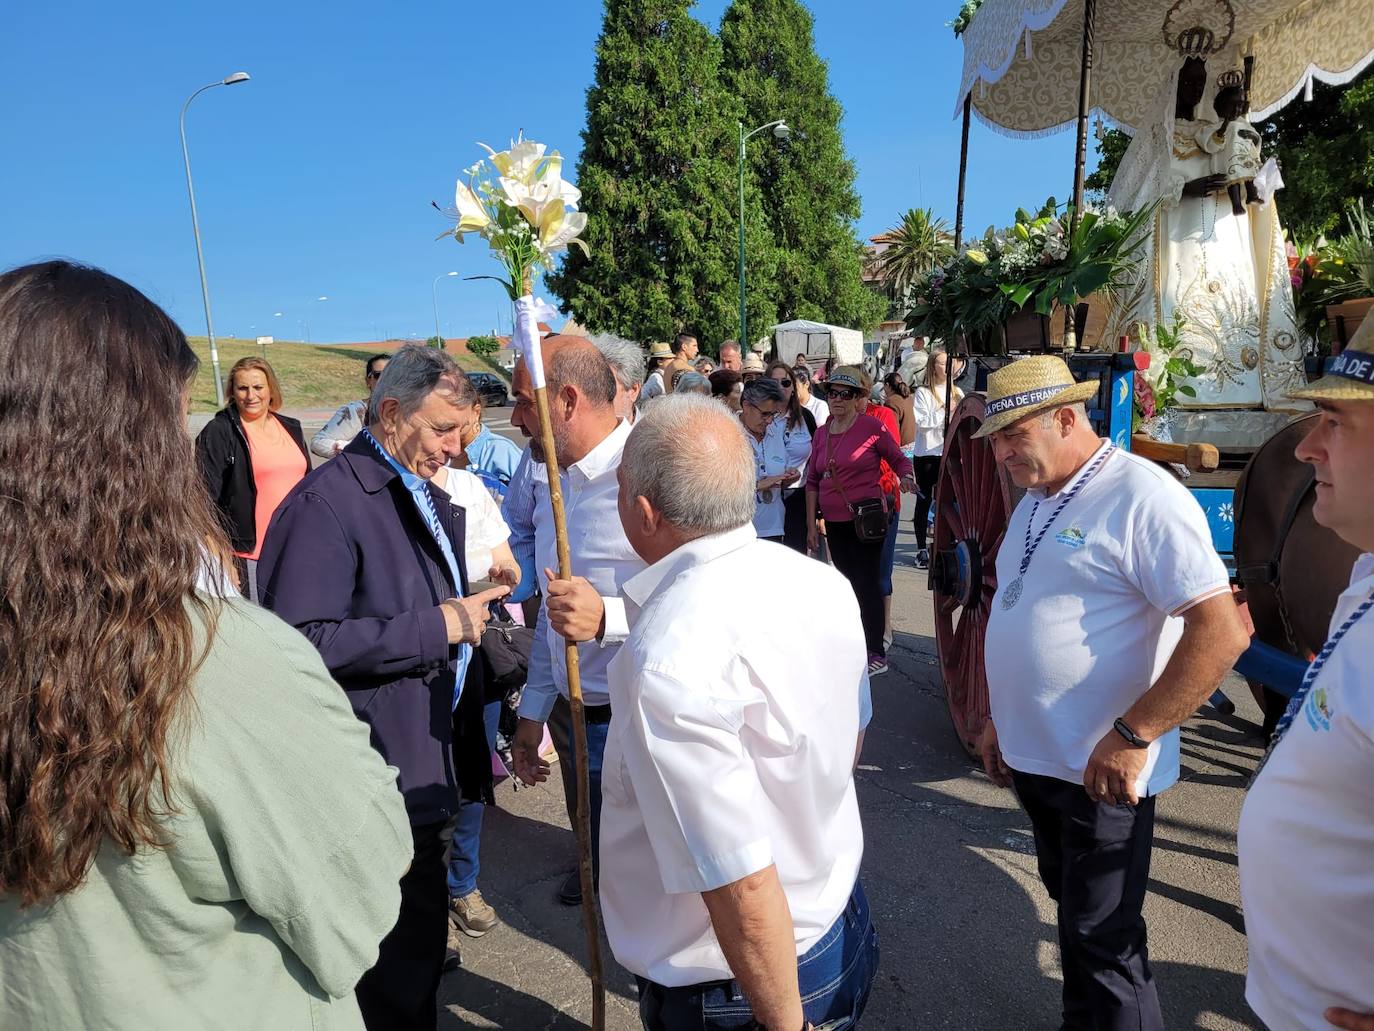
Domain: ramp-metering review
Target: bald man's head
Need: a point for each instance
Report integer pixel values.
(581, 392)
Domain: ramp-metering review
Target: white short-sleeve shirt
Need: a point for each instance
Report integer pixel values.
(731, 746)
(484, 527)
(1307, 842)
(1097, 619)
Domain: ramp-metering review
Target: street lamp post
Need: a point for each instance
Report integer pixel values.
(434, 293)
(781, 132)
(231, 80)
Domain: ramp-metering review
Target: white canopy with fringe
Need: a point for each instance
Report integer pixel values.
(1022, 57)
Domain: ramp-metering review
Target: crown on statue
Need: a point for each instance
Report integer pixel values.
(1198, 28)
(1230, 80)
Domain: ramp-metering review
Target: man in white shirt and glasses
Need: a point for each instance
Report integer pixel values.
(589, 437)
(730, 836)
(1307, 828)
(1112, 622)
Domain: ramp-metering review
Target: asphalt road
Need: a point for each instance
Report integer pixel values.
(967, 933)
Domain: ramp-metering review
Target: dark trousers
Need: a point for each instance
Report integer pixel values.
(560, 730)
(794, 520)
(861, 563)
(400, 991)
(834, 976)
(927, 476)
(1094, 860)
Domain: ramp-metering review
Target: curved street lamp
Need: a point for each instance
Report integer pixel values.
(780, 132)
(434, 293)
(230, 80)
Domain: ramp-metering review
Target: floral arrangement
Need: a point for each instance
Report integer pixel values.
(966, 12)
(1157, 386)
(518, 201)
(1040, 261)
(1324, 273)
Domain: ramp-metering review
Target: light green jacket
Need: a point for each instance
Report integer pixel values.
(281, 879)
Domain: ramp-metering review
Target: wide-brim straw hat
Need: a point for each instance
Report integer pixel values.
(660, 350)
(1351, 376)
(753, 363)
(1029, 385)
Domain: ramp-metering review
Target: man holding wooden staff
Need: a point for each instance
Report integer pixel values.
(588, 438)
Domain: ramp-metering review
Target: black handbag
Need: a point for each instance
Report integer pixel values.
(870, 514)
(504, 653)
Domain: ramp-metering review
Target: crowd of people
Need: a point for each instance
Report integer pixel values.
(249, 707)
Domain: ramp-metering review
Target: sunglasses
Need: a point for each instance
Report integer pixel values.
(841, 395)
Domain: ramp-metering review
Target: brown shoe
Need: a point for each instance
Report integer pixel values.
(472, 915)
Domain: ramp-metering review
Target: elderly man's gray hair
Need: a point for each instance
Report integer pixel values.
(757, 391)
(692, 383)
(702, 489)
(626, 358)
(412, 374)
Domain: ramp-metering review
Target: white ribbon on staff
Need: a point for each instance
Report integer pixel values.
(529, 312)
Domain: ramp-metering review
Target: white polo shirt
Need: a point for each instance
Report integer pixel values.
(1307, 842)
(1097, 618)
(731, 746)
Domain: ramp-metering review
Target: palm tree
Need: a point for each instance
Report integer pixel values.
(915, 245)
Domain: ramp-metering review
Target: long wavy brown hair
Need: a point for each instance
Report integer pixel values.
(105, 529)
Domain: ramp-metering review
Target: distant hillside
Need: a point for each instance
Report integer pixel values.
(311, 375)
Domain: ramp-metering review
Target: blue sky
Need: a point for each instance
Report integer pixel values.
(314, 179)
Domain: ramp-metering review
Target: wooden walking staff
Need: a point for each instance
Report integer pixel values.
(527, 341)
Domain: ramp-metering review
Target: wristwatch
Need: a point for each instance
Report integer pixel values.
(1124, 729)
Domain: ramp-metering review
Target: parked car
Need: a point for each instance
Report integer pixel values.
(490, 388)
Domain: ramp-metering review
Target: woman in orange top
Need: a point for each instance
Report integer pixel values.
(251, 456)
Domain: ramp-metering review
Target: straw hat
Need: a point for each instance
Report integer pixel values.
(659, 350)
(752, 363)
(1029, 385)
(1351, 376)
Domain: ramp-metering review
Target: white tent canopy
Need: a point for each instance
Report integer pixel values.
(1022, 57)
(818, 342)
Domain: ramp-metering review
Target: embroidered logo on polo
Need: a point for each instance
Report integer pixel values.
(1071, 537)
(1024, 399)
(1356, 365)
(1318, 709)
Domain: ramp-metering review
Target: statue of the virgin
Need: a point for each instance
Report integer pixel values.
(1225, 273)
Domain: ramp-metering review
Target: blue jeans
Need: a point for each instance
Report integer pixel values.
(834, 975)
(889, 552)
(560, 729)
(463, 861)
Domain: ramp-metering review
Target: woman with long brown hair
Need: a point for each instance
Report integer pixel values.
(194, 828)
(251, 456)
(798, 427)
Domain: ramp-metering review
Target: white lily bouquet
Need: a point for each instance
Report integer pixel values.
(518, 201)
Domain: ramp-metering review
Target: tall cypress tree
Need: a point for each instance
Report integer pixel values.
(806, 183)
(658, 180)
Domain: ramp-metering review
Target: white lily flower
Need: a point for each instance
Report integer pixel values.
(559, 228)
(472, 216)
(521, 162)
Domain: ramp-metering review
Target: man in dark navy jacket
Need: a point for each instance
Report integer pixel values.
(365, 557)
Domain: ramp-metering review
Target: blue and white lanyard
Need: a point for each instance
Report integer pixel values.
(424, 501)
(1082, 480)
(1295, 704)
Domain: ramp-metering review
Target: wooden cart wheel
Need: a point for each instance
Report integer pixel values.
(973, 502)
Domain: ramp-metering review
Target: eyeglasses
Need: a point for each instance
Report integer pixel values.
(374, 375)
(836, 394)
(786, 384)
(764, 417)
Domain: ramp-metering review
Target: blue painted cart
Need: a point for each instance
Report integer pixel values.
(973, 503)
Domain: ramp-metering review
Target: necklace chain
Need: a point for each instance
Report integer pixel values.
(1073, 492)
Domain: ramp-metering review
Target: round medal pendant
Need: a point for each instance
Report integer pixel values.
(1012, 594)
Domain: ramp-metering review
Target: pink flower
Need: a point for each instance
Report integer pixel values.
(1144, 397)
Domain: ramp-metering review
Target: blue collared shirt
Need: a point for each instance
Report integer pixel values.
(493, 459)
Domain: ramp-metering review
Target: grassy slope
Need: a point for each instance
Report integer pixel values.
(311, 376)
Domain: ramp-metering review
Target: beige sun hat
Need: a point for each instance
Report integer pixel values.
(752, 363)
(659, 350)
(1029, 385)
(1351, 375)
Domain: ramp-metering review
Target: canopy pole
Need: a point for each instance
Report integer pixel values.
(1081, 150)
(963, 174)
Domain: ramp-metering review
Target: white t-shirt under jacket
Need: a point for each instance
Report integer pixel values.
(1097, 619)
(731, 746)
(1307, 842)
